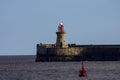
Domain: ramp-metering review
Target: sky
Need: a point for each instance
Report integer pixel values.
(25, 23)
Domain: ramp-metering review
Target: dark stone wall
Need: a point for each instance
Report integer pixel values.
(82, 52)
(102, 53)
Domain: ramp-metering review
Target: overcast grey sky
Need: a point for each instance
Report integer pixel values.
(25, 23)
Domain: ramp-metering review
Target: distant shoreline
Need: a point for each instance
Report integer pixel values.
(17, 58)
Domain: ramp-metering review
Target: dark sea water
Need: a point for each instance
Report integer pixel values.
(24, 68)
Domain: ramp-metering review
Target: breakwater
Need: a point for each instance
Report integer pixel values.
(79, 52)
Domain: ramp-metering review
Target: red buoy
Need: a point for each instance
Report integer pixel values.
(82, 72)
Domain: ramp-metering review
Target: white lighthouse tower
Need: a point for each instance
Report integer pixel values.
(61, 42)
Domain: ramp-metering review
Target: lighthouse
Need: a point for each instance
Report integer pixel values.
(61, 41)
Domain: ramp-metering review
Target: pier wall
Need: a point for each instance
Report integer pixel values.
(78, 53)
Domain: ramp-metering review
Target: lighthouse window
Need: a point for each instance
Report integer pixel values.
(60, 36)
(61, 44)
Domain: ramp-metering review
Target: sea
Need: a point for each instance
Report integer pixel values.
(24, 67)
